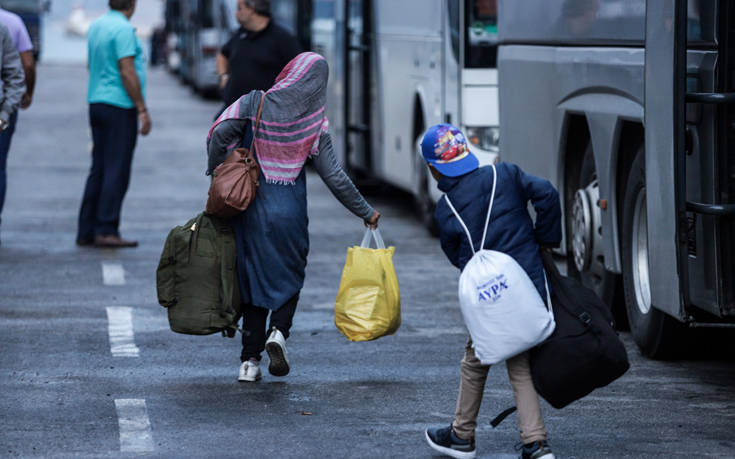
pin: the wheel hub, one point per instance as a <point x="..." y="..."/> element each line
<point x="641" y="279"/>
<point x="584" y="225"/>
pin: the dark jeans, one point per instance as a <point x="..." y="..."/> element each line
<point x="254" y="317"/>
<point x="114" y="133"/>
<point x="5" y="138"/>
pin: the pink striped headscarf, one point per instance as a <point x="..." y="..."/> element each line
<point x="293" y="118"/>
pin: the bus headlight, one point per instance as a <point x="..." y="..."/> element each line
<point x="486" y="138"/>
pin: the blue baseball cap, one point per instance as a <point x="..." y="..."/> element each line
<point x="445" y="147"/>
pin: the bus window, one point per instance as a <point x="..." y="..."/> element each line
<point x="206" y="14"/>
<point x="701" y="21"/>
<point x="481" y="34"/>
<point x="285" y="13"/>
<point x="453" y="14"/>
<point x="324" y="9"/>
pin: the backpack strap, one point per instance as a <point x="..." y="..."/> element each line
<point x="461" y="222"/>
<point x="487" y="219"/>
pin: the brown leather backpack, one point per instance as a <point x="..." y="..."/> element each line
<point x="235" y="181"/>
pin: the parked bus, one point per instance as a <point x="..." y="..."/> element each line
<point x="199" y="28"/>
<point x="397" y="68"/>
<point x="296" y="17"/>
<point x="628" y="106"/>
<point x="210" y="26"/>
<point x="30" y="12"/>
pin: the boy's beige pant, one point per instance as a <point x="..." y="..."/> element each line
<point x="472" y="384"/>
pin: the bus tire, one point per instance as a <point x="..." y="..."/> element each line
<point x="653" y="331"/>
<point x="594" y="276"/>
<point x="423" y="201"/>
<point x="426" y="208"/>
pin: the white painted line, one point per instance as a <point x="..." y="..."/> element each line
<point x="113" y="274"/>
<point x="436" y="332"/>
<point x="135" y="428"/>
<point x="120" y="328"/>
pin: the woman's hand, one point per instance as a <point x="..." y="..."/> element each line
<point x="372" y="222"/>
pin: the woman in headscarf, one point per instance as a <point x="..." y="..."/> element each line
<point x="272" y="234"/>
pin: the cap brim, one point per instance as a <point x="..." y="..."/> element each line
<point x="461" y="167"/>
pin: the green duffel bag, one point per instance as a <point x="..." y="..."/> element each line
<point x="197" y="280"/>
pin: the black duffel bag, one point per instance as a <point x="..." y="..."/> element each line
<point x="584" y="352"/>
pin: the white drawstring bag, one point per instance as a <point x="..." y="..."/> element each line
<point x="501" y="306"/>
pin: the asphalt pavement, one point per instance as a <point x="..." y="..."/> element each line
<point x="89" y="367"/>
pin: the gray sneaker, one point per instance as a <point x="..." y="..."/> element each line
<point x="445" y="441"/>
<point x="537" y="450"/>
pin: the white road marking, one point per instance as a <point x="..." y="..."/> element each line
<point x="135" y="428"/>
<point x="113" y="274"/>
<point x="120" y="328"/>
<point x="438" y="331"/>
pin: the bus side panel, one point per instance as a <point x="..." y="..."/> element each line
<point x="661" y="160"/>
<point x="408" y="64"/>
<point x="327" y="31"/>
<point x="577" y="81"/>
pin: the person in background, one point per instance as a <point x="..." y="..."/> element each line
<point x="272" y="234"/>
<point x="13" y="90"/>
<point x="256" y="53"/>
<point x="116" y="99"/>
<point x="511" y="231"/>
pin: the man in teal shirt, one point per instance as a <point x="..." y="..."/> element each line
<point x="116" y="99"/>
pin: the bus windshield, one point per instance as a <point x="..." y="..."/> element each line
<point x="482" y="33"/>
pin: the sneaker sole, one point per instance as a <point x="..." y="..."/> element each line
<point x="248" y="379"/>
<point x="278" y="365"/>
<point x="448" y="451"/>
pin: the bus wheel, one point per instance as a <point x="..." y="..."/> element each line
<point x="653" y="331"/>
<point x="585" y="259"/>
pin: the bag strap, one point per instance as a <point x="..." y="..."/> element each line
<point x="501" y="417"/>
<point x="580" y="314"/>
<point x="376" y="235"/>
<point x="487" y="219"/>
<point x="257" y="121"/>
<point x="461" y="222"/>
<point x="548" y="297"/>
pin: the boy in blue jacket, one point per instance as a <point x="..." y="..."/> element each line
<point x="510" y="231"/>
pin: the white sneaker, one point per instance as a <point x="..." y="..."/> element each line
<point x="249" y="371"/>
<point x="275" y="346"/>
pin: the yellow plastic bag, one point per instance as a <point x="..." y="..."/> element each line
<point x="368" y="303"/>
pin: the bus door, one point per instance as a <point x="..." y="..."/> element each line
<point x="689" y="157"/>
<point x="357" y="101"/>
<point x="710" y="155"/>
<point x="659" y="211"/>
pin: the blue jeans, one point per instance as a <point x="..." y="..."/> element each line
<point x="114" y="133"/>
<point x="5" y="137"/>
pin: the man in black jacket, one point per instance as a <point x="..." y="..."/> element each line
<point x="256" y="53"/>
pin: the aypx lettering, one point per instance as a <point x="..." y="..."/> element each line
<point x="492" y="291"/>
